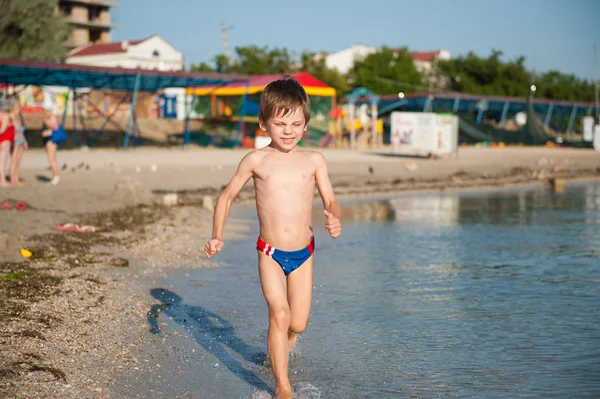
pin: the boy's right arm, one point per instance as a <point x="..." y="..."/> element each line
<point x="237" y="182"/>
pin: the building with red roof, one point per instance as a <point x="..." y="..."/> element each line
<point x="344" y="60"/>
<point x="153" y="53"/>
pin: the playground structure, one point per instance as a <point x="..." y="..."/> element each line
<point x="499" y="120"/>
<point x="237" y="103"/>
<point x="80" y="81"/>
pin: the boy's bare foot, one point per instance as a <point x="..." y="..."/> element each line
<point x="283" y="393"/>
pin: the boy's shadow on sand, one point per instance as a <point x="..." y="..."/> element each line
<point x="210" y="330"/>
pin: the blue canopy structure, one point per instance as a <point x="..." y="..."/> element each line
<point x="81" y="76"/>
<point x="17" y="72"/>
<point x="561" y="115"/>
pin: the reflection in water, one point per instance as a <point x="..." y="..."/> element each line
<point x="501" y="208"/>
<point x="435" y="208"/>
<point x="491" y="295"/>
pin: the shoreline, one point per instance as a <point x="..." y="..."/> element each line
<point x="51" y="344"/>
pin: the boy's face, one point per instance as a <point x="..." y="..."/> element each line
<point x="286" y="130"/>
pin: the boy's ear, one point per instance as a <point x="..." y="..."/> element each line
<point x="262" y="126"/>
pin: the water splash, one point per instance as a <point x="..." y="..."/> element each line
<point x="305" y="390"/>
<point x="301" y="390"/>
<point x="260" y="394"/>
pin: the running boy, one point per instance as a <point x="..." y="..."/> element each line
<point x="284" y="181"/>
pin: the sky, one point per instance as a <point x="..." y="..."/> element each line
<point x="550" y="34"/>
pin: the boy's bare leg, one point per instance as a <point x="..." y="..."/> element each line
<point x="274" y="287"/>
<point x="299" y="294"/>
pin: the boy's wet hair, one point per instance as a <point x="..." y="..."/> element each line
<point x="283" y="96"/>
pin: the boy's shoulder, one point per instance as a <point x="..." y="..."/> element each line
<point x="312" y="154"/>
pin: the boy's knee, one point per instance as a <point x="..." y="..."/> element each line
<point x="280" y="316"/>
<point x="298" y="327"/>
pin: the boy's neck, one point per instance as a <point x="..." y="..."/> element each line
<point x="279" y="150"/>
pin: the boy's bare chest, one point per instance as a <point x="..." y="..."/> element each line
<point x="285" y="177"/>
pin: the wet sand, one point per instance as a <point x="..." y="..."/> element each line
<point x="75" y="316"/>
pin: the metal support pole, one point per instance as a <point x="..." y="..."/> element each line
<point x="132" y="110"/>
<point x="455" y="105"/>
<point x="571" y="122"/>
<point x="352" y="128"/>
<point x="75" y="138"/>
<point x="189" y="109"/>
<point x="504" y="114"/>
<point x="548" y="116"/>
<point x="242" y="114"/>
<point x="374" y="124"/>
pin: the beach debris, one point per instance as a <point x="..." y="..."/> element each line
<point x="208" y="203"/>
<point x="153" y="167"/>
<point x="75" y="228"/>
<point x="6" y="206"/>
<point x="371" y="170"/>
<point x="131" y="191"/>
<point x="119" y="262"/>
<point x="26" y="253"/>
<point x="138" y="168"/>
<point x="411" y="167"/>
<point x="170" y="199"/>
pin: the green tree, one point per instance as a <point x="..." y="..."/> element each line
<point x="32" y="30"/>
<point x="201" y="67"/>
<point x="314" y="64"/>
<point x="492" y="76"/>
<point x="256" y="60"/>
<point x="558" y="86"/>
<point x="386" y="71"/>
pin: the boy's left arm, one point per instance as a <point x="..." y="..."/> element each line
<point x="333" y="210"/>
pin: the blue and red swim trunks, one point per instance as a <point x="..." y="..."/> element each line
<point x="288" y="260"/>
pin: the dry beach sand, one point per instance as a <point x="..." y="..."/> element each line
<point x="74" y="314"/>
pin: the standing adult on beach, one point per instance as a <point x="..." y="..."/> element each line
<point x="20" y="145"/>
<point x="284" y="176"/>
<point x="7" y="135"/>
<point x="51" y="125"/>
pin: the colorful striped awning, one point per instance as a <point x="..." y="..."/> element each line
<point x="257" y="83"/>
